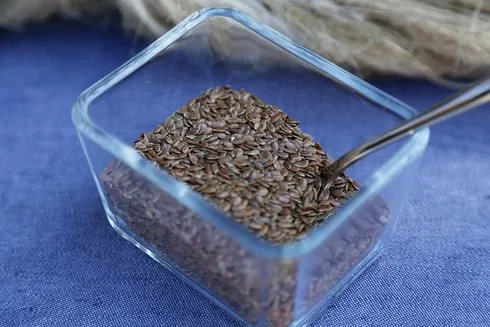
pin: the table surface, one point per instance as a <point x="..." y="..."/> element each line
<point x="61" y="264"/>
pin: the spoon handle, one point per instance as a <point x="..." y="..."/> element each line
<point x="469" y="98"/>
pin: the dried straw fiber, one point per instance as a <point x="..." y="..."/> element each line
<point x="435" y="39"/>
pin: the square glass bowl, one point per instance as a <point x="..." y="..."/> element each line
<point x="258" y="283"/>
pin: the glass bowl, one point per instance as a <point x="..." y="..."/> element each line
<point x="257" y="282"/>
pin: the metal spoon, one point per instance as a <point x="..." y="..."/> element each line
<point x="469" y="98"/>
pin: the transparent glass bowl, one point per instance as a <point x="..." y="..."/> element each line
<point x="255" y="281"/>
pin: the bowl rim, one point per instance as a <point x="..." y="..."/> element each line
<point x="409" y="152"/>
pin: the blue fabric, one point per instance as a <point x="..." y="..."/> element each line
<point x="61" y="264"/>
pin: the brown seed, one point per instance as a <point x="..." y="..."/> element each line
<point x="193" y="159"/>
<point x="249" y="159"/>
<point x="254" y="152"/>
<point x="262" y="192"/>
<point x="217" y="124"/>
<point x="277" y="165"/>
<point x="212" y="157"/>
<point x="338" y="193"/>
<point x="185" y="148"/>
<point x="301" y="164"/>
<point x="228" y="145"/>
<point x="276" y="176"/>
<point x="283" y="155"/>
<point x="258" y="164"/>
<point x="275" y="146"/>
<point x="141" y="146"/>
<point x="236" y="201"/>
<point x="255" y="226"/>
<point x="209" y="189"/>
<point x="263" y="231"/>
<point x="236" y="139"/>
<point x="303" y="183"/>
<point x="283" y="198"/>
<point x="285" y="225"/>
<point x="241" y="161"/>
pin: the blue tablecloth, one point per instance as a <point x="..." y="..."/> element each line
<point x="61" y="264"/>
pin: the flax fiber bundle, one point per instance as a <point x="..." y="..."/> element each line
<point x="435" y="39"/>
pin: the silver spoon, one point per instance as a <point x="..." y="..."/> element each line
<point x="469" y="98"/>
